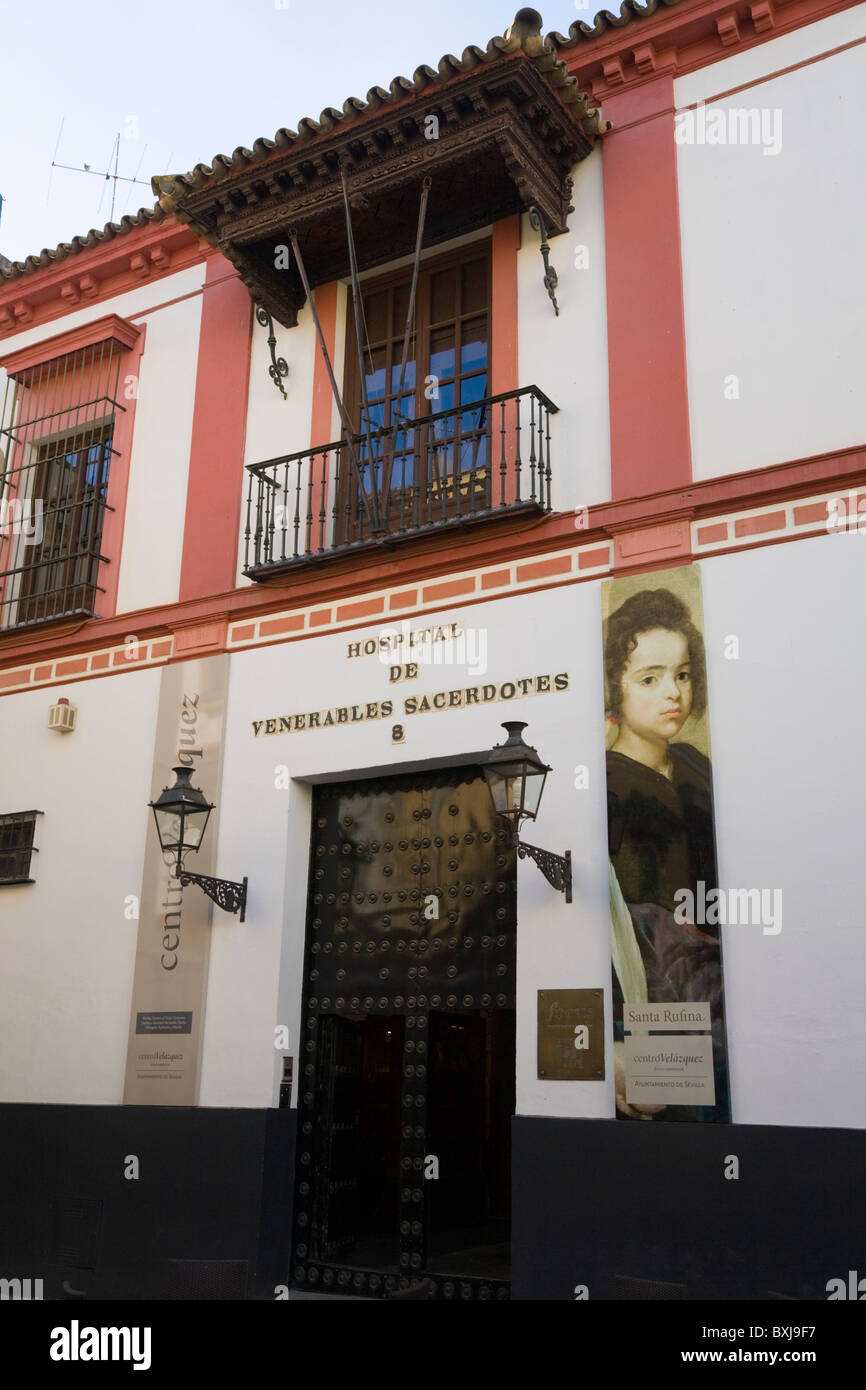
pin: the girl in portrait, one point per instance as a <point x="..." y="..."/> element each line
<point x="660" y="827"/>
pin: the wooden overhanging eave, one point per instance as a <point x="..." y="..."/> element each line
<point x="504" y="142"/>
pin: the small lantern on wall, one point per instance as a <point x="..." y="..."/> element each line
<point x="515" y="777"/>
<point x="181" y="813"/>
<point x="62" y="716"/>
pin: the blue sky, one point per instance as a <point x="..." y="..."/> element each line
<point x="183" y="80"/>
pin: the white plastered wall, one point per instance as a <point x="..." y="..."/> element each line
<point x="276" y="426"/>
<point x="566" y="355"/>
<point x="789" y="760"/>
<point x="789" y="757"/>
<point x="66" y="943"/>
<point x="159" y="468"/>
<point x="773" y="272"/>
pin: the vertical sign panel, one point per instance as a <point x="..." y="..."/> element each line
<point x="163" y="1056"/>
<point x="670" y="1049"/>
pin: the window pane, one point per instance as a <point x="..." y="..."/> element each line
<point x="474" y="351"/>
<point x="474" y="286"/>
<point x="445" y="402"/>
<point x="376" y="316"/>
<point x="409" y="378"/>
<point x="400" y="310"/>
<point x="473" y="388"/>
<point x="443" y="289"/>
<point x="375" y="374"/>
<point x="442" y="354"/>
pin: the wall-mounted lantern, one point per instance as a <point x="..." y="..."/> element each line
<point x="181" y="813"/>
<point x="515" y="777"/>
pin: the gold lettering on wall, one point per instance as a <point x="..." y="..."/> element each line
<point x="463" y="698"/>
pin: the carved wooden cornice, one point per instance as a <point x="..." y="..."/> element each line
<point x="504" y="142"/>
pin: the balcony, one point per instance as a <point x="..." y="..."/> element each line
<point x="443" y="471"/>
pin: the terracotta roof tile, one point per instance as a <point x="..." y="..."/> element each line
<point x="542" y="52"/>
<point x="604" y="20"/>
<point x="80" y="243"/>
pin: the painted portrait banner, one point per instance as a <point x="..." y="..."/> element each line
<point x="168" y="995"/>
<point x="670" y="1048"/>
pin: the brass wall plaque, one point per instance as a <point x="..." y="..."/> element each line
<point x="571" y="1034"/>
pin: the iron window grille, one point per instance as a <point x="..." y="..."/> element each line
<point x="56" y="429"/>
<point x="17" y="829"/>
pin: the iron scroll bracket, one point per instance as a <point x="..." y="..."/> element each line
<point x="555" y="867"/>
<point x="231" y="897"/>
<point x="551" y="279"/>
<point x="279" y="366"/>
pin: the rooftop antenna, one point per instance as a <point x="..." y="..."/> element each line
<point x="114" y="177"/>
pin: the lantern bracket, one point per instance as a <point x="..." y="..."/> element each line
<point x="555" y="867"/>
<point x="551" y="279"/>
<point x="279" y="367"/>
<point x="231" y="897"/>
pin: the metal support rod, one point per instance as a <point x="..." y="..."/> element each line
<point x="344" y="417"/>
<point x="362" y="375"/>
<point x="426" y="185"/>
<point x="416" y="266"/>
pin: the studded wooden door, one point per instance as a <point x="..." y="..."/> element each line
<point x="408" y="1040"/>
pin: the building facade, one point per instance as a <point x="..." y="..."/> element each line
<point x="256" y="527"/>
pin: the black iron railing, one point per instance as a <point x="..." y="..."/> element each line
<point x="470" y="463"/>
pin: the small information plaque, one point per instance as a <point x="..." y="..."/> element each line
<point x="669" y="1071"/>
<point x="163" y="1021"/>
<point x="571" y="1034"/>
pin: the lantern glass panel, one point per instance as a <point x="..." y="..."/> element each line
<point x="168" y="826"/>
<point x="195" y="822"/>
<point x="535" y="777"/>
<point x="505" y="781"/>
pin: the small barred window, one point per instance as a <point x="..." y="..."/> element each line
<point x="16" y="846"/>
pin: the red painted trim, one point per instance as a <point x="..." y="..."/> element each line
<point x="323" y="399"/>
<point x="649" y="409"/>
<point x="118" y="480"/>
<point x="504" y="246"/>
<point x="685" y="37"/>
<point x="112" y="328"/>
<point x="98" y="273"/>
<point x="501" y="543"/>
<point x="214" y="489"/>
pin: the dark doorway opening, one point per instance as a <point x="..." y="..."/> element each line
<point x="357" y="1170"/>
<point x="471" y="1101"/>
